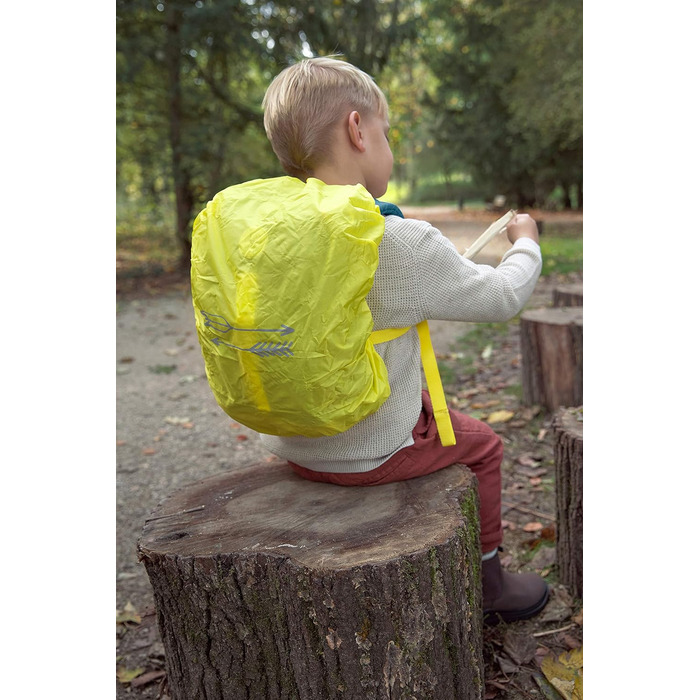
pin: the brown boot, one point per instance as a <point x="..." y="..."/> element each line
<point x="508" y="597"/>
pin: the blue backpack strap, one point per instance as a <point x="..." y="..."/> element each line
<point x="386" y="208"/>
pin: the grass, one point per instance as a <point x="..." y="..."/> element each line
<point x="561" y="255"/>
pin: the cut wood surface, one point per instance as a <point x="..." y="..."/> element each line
<point x="551" y="345"/>
<point x="568" y="458"/>
<point x="270" y="586"/>
<point x="568" y="295"/>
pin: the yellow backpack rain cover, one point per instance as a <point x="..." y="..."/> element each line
<point x="280" y="274"/>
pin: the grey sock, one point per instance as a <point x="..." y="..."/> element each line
<point x="489" y="555"/>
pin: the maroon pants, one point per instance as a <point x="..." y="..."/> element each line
<point x="477" y="446"/>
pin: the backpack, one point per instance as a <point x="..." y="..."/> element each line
<point x="280" y="273"/>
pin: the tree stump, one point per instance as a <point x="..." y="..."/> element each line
<point x="267" y="585"/>
<point x="568" y="458"/>
<point x="551" y="346"/>
<point x="568" y="295"/>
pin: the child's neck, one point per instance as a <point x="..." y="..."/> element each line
<point x="332" y="174"/>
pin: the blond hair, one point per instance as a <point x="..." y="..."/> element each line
<point x="306" y="101"/>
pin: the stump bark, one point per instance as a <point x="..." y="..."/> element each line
<point x="568" y="295"/>
<point x="270" y="586"/>
<point x="568" y="459"/>
<point x="551" y="346"/>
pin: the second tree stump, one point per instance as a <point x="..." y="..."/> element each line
<point x="269" y="586"/>
<point x="568" y="295"/>
<point x="551" y="345"/>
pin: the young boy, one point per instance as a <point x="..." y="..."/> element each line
<point x="328" y="120"/>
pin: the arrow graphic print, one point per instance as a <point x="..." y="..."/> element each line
<point x="262" y="349"/>
<point x="220" y="324"/>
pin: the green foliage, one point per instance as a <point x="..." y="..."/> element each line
<point x="508" y="105"/>
<point x="191" y="76"/>
<point x="442" y="188"/>
<point x="485" y="98"/>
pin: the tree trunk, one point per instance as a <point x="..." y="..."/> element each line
<point x="269" y="586"/>
<point x="551" y="344"/>
<point x="566" y="188"/>
<point x="568" y="458"/>
<point x="568" y="295"/>
<point x="183" y="194"/>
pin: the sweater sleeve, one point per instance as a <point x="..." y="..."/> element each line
<point x="453" y="288"/>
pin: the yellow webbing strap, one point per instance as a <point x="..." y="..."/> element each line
<point x="432" y="377"/>
<point x="387" y="334"/>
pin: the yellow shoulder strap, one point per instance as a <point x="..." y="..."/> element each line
<point x="432" y="377"/>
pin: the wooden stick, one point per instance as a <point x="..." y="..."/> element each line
<point x="546" y="632"/>
<point x="490" y="233"/>
<point x="516" y="506"/>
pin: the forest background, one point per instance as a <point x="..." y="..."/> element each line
<point x="485" y="101"/>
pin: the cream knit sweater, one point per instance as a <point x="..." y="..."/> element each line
<point x="420" y="275"/>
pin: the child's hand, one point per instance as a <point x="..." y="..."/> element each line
<point x="522" y="226"/>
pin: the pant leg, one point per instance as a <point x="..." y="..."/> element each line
<point x="477" y="446"/>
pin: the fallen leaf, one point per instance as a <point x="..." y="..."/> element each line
<point x="528" y="460"/>
<point x="487" y="352"/>
<point x="502" y="416"/>
<point x="128" y="614"/>
<point x="486" y="404"/>
<point x="148" y="451"/>
<point x="535" y="480"/>
<point x="578" y="618"/>
<point x="548" y="691"/>
<point x="520" y="646"/>
<point x="565" y="673"/>
<point x="126" y="360"/>
<point x="162" y="369"/>
<point x="147" y="678"/>
<point x="569" y="641"/>
<point x="559" y="607"/>
<point x="532" y="527"/>
<point x="174" y="420"/>
<point x="241" y="438"/>
<point x="506" y="665"/>
<point x="549" y="533"/>
<point x="126" y="675"/>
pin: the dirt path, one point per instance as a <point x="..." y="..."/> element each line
<point x="171" y="432"/>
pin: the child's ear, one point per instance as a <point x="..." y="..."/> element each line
<point x="354" y="131"/>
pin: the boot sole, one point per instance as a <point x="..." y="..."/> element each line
<point x="493" y="617"/>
